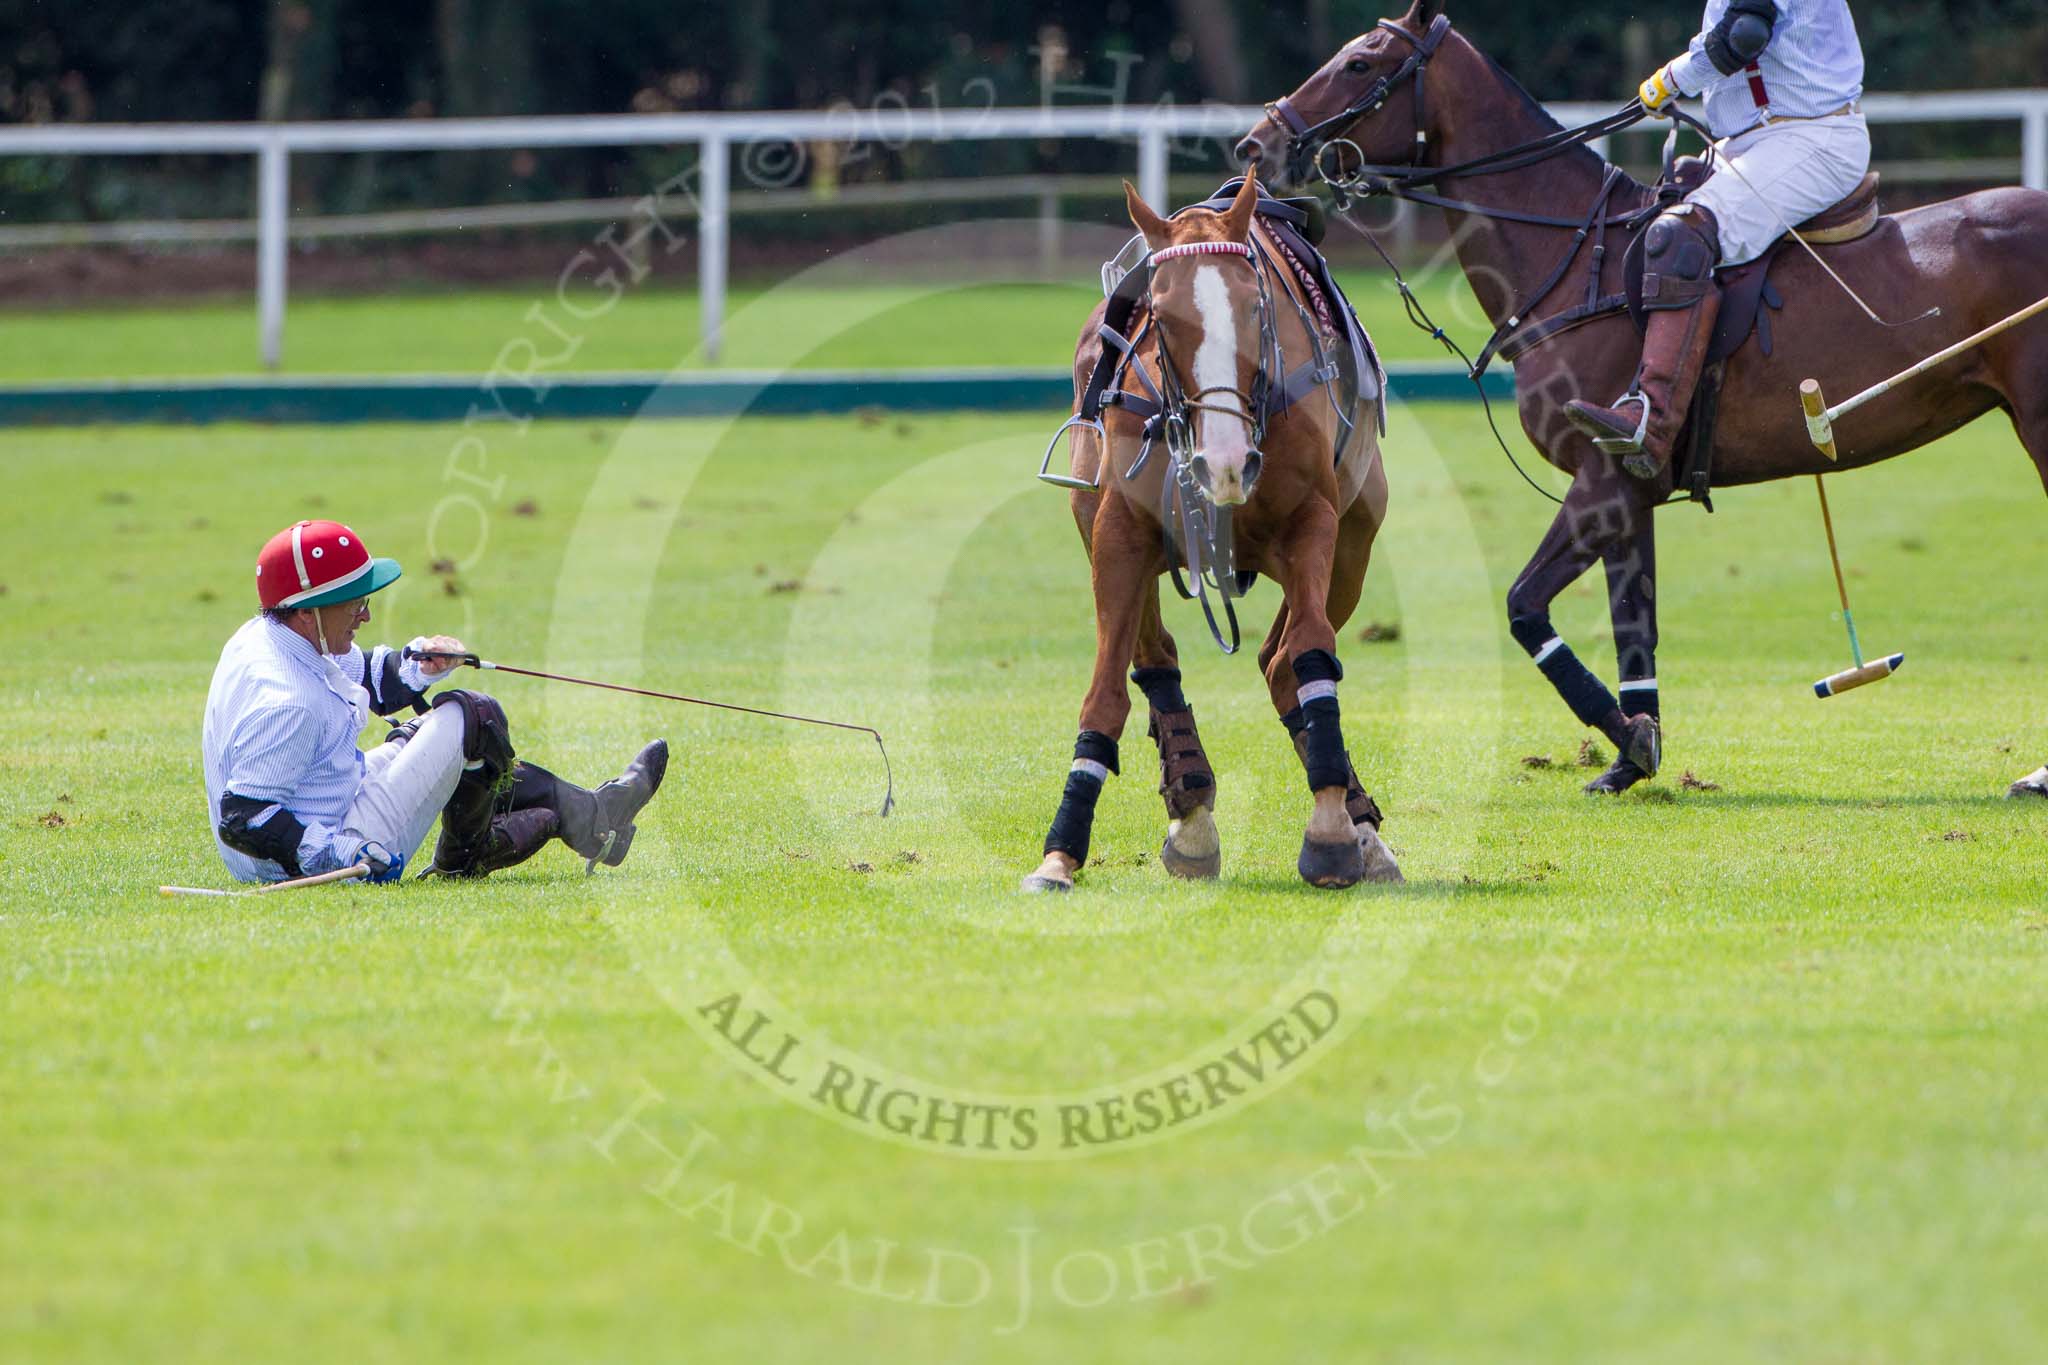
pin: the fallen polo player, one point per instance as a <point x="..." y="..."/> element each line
<point x="292" y="795"/>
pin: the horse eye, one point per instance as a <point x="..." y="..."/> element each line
<point x="1358" y="65"/>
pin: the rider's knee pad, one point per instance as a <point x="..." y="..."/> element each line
<point x="1679" y="255"/>
<point x="486" y="734"/>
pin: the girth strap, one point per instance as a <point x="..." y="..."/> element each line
<point x="1534" y="335"/>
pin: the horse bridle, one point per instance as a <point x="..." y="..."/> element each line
<point x="1178" y="402"/>
<point x="1305" y="145"/>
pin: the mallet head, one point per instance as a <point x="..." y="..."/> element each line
<point x="1877" y="670"/>
<point x="1817" y="424"/>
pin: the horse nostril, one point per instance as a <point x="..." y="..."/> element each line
<point x="1247" y="151"/>
<point x="1253" y="463"/>
<point x="1199" y="467"/>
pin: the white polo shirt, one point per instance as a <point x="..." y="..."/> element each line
<point x="281" y="726"/>
<point x="1812" y="66"/>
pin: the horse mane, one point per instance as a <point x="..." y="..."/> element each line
<point x="1545" y="121"/>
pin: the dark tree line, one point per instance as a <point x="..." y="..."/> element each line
<point x="144" y="60"/>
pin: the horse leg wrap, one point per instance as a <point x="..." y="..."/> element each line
<point x="1317" y="672"/>
<point x="1358" y="802"/>
<point x="1588" y="697"/>
<point x="1161" y="687"/>
<point x="1297" y="726"/>
<point x="1094" y="760"/>
<point x="1185" y="779"/>
<point x="1639" y="697"/>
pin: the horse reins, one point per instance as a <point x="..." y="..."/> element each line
<point x="1310" y="142"/>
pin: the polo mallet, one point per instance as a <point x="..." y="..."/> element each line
<point x="472" y="661"/>
<point x="1862" y="673"/>
<point x="1821" y="419"/>
<point x="1820" y="426"/>
<point x="340" y="874"/>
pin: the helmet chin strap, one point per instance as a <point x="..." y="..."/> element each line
<point x="320" y="630"/>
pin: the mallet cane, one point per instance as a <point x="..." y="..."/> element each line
<point x="1863" y="672"/>
<point x="1820" y="426"/>
<point x="340" y="874"/>
<point x="471" y="660"/>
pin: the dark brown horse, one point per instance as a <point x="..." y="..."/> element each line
<point x="1975" y="258"/>
<point x="1214" y="338"/>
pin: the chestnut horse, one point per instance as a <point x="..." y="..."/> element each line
<point x="1209" y="341"/>
<point x="1443" y="103"/>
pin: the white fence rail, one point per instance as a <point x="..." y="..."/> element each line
<point x="1152" y="130"/>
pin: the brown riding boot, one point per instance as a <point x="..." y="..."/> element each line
<point x="1684" y="303"/>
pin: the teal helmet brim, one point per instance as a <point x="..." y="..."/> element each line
<point x="383" y="573"/>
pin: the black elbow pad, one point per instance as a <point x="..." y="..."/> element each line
<point x="388" y="692"/>
<point x="243" y="829"/>
<point x="1742" y="35"/>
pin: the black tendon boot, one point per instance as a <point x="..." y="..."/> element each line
<point x="596" y="825"/>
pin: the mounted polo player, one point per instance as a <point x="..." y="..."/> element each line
<point x="1563" y="250"/>
<point x="1226" y="424"/>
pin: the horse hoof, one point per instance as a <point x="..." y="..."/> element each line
<point x="2033" y="784"/>
<point x="1191" y="867"/>
<point x="1038" y="882"/>
<point x="1192" y="849"/>
<point x="1645" y="747"/>
<point x="1380" y="866"/>
<point x="1616" y="780"/>
<point x="1335" y="866"/>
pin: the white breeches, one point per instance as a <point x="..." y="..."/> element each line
<point x="405" y="786"/>
<point x="1793" y="169"/>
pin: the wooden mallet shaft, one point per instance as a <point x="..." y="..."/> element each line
<point x="1849" y="679"/>
<point x="340" y="874"/>
<point x="1821" y="419"/>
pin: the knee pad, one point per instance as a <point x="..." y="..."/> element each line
<point x="486" y="734"/>
<point x="1679" y="255"/>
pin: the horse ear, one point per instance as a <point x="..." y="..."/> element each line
<point x="1237" y="219"/>
<point x="1144" y="219"/>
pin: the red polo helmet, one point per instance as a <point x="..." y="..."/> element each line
<point x="319" y="563"/>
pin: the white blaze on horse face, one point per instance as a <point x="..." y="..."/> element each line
<point x="1220" y="439"/>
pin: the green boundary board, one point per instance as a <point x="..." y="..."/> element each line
<point x="596" y="397"/>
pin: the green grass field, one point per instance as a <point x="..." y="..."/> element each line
<point x="1751" y="1068"/>
<point x="869" y="325"/>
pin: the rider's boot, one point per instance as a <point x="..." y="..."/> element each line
<point x="476" y="840"/>
<point x="1683" y="302"/>
<point x="596" y="825"/>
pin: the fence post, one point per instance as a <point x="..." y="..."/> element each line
<point x="714" y="175"/>
<point x="2034" y="148"/>
<point x="1049" y="235"/>
<point x="1152" y="165"/>
<point x="273" y="226"/>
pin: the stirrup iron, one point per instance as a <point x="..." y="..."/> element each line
<point x="1628" y="445"/>
<point x="1045" y="473"/>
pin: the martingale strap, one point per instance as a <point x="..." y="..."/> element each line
<point x="1536" y="296"/>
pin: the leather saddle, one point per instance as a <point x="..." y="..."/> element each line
<point x="1747" y="301"/>
<point x="1747" y="296"/>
